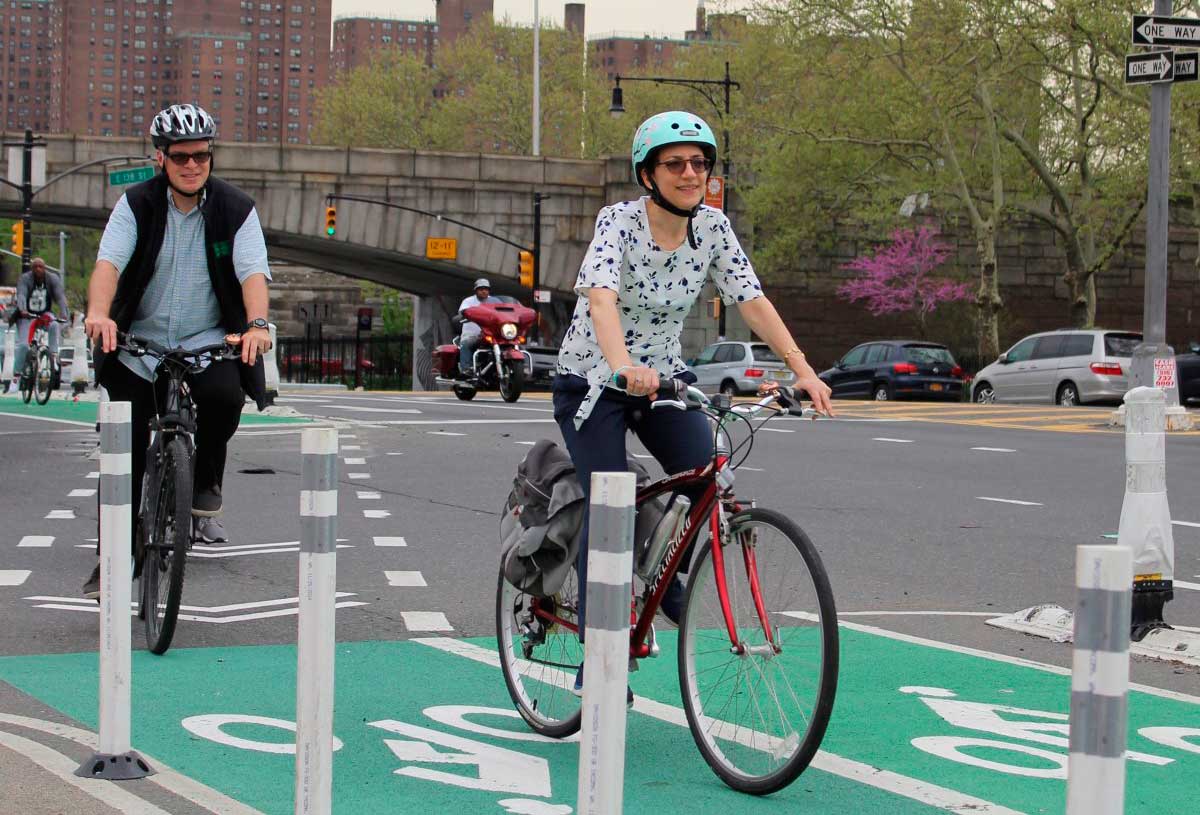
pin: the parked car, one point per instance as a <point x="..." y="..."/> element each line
<point x="1067" y="367"/>
<point x="896" y="369"/>
<point x="1187" y="369"/>
<point x="738" y="367"/>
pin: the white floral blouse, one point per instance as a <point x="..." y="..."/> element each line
<point x="655" y="290"/>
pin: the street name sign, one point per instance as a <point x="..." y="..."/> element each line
<point x="1158" y="66"/>
<point x="133" y="175"/>
<point x="1150" y="30"/>
<point x="441" y="248"/>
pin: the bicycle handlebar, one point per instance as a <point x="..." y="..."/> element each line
<point x="680" y="395"/>
<point x="142" y="346"/>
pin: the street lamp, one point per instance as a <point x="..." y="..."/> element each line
<point x="700" y="86"/>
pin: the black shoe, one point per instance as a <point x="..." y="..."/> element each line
<point x="577" y="688"/>
<point x="91" y="589"/>
<point x="207" y="503"/>
<point x="672" y="602"/>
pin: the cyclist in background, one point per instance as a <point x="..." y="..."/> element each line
<point x="38" y="291"/>
<point x="183" y="262"/>
<point x="646" y="265"/>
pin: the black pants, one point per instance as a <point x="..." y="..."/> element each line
<point x="679" y="440"/>
<point x="217" y="393"/>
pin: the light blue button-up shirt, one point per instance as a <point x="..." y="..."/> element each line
<point x="179" y="308"/>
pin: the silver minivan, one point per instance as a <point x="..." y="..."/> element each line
<point x="1067" y="367"/>
<point x="738" y="367"/>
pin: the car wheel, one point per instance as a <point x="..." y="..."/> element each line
<point x="883" y="392"/>
<point x="984" y="394"/>
<point x="729" y="388"/>
<point x="1068" y="395"/>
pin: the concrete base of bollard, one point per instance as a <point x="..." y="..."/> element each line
<point x="1178" y="419"/>
<point x="123" y="767"/>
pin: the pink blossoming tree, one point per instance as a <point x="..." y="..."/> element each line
<point x="898" y="277"/>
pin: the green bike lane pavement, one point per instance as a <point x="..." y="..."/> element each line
<point x="68" y="411"/>
<point x="427" y="726"/>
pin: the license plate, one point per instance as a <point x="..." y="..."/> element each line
<point x="935" y="386"/>
<point x="779" y="374"/>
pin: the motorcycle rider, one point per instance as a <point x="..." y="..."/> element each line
<point x="469" y="338"/>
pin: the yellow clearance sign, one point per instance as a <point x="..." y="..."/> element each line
<point x="441" y="248"/>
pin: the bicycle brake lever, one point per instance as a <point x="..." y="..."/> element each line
<point x="678" y="404"/>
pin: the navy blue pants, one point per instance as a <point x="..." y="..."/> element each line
<point x="679" y="440"/>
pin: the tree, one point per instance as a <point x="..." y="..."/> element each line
<point x="898" y="277"/>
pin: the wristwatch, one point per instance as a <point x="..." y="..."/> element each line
<point x="258" y="322"/>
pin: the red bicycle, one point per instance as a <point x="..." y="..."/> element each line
<point x="758" y="637"/>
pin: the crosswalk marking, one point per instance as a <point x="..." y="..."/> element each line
<point x="893" y="441"/>
<point x="425" y="621"/>
<point x="405" y="579"/>
<point x="61" y="515"/>
<point x="351" y="447"/>
<point x="15" y="577"/>
<point x="356" y="461"/>
<point x="358" y="476"/>
<point x="95" y="474"/>
<point x="38" y="541"/>
<point x="383" y="540"/>
<point x="81" y="493"/>
<point x="376" y="513"/>
<point x="367" y="495"/>
<point x="994" y="449"/>
<point x="444" y="433"/>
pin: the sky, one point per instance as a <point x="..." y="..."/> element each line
<point x="660" y="17"/>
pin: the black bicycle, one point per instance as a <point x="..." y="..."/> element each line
<point x="165" y="517"/>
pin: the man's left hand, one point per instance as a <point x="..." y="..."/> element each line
<point x="255" y="342"/>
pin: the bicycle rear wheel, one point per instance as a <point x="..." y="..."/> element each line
<point x="758" y="712"/>
<point x="539" y="655"/>
<point x="166" y="547"/>
<point x="44" y="384"/>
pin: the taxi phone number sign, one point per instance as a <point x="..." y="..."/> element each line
<point x="1164" y="373"/>
<point x="441" y="248"/>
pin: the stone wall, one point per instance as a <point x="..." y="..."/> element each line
<point x="300" y="295"/>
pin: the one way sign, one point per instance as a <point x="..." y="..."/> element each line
<point x="1149" y="30"/>
<point x="1162" y="66"/>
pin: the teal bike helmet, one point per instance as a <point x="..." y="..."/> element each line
<point x="662" y="130"/>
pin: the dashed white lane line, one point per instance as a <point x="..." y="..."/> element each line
<point x="358" y="476"/>
<point x="359" y="461"/>
<point x="1186" y="523"/>
<point x="994" y="449"/>
<point x="38" y="541"/>
<point x="383" y="540"/>
<point x="367" y="495"/>
<point x="395" y="454"/>
<point x="360" y="409"/>
<point x="351" y="447"/>
<point x="444" y="433"/>
<point x="1010" y="501"/>
<point x="347" y="436"/>
<point x="405" y="579"/>
<point x="893" y="441"/>
<point x="1183" y="584"/>
<point x="95" y="474"/>
<point x="61" y="515"/>
<point x="425" y="621"/>
<point x="526" y="443"/>
<point x="776" y="430"/>
<point x="376" y="513"/>
<point x="752" y="469"/>
<point x="13" y="577"/>
<point x="83" y="493"/>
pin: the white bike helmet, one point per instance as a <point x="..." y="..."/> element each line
<point x="182" y="123"/>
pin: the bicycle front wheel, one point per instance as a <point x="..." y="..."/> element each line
<point x="166" y="547"/>
<point x="28" y="376"/>
<point x="44" y="384"/>
<point x="758" y="705"/>
<point x="539" y="654"/>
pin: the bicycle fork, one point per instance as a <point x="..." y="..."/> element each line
<point x="719" y="524"/>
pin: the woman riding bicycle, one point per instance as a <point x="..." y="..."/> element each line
<point x="646" y="265"/>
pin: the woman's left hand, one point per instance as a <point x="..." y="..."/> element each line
<point x="817" y="391"/>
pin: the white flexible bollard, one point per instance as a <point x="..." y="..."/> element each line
<point x="114" y="760"/>
<point x="315" y="638"/>
<point x="79" y="362"/>
<point x="1145" y="515"/>
<point x="1100" y="682"/>
<point x="10" y="353"/>
<point x="271" y="367"/>
<point x="606" y="644"/>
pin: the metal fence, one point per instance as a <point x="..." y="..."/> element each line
<point x="374" y="362"/>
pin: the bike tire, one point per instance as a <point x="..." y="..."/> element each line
<point x="538" y="662"/>
<point x="166" y="549"/>
<point x="44" y="377"/>
<point x="803" y="654"/>
<point x="27" y="378"/>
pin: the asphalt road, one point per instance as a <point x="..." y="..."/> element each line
<point x="927" y="529"/>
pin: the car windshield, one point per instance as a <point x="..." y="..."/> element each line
<point x="928" y="354"/>
<point x="1121" y="345"/>
<point x="763" y="353"/>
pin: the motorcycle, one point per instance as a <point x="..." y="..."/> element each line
<point x="499" y="362"/>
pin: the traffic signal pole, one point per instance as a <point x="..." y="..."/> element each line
<point x="27" y="201"/>
<point x="537" y="263"/>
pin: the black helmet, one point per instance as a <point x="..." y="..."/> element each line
<point x="182" y="123"/>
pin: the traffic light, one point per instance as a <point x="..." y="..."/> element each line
<point x="330" y="221"/>
<point x="18" y="238"/>
<point x="526" y="267"/>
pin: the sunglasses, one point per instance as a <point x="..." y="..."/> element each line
<point x="202" y="157"/>
<point x="675" y="165"/>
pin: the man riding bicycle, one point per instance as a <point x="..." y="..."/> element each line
<point x="644" y="269"/>
<point x="183" y="262"/>
<point x="38" y="291"/>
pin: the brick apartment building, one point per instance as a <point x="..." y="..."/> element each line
<point x="633" y="54"/>
<point x="25" y="64"/>
<point x="356" y="38"/>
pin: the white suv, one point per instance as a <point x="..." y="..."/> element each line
<point x="738" y="367"/>
<point x="1067" y="367"/>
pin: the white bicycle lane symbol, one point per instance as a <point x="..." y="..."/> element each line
<point x="1031" y="726"/>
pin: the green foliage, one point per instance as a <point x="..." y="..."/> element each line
<point x="82" y="244"/>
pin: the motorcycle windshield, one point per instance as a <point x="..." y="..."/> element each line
<point x="490" y="316"/>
